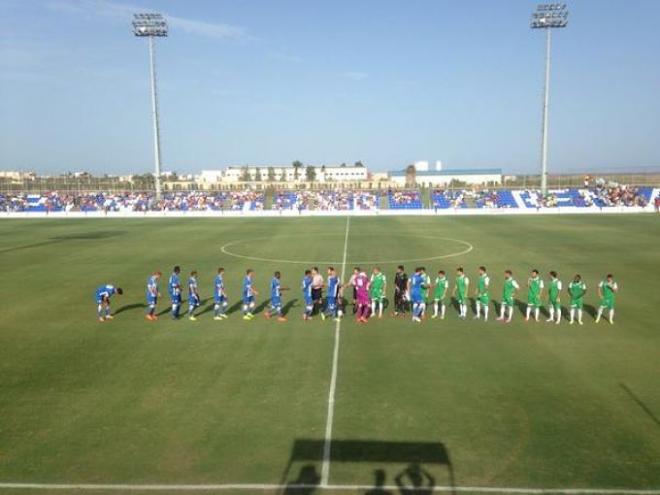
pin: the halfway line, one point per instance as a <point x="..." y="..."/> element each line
<point x="325" y="470"/>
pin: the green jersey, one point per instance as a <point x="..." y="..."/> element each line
<point x="553" y="292"/>
<point x="508" y="291"/>
<point x="576" y="290"/>
<point x="462" y="283"/>
<point x="534" y="287"/>
<point x="608" y="291"/>
<point x="441" y="286"/>
<point x="426" y="286"/>
<point x="483" y="283"/>
<point x="377" y="286"/>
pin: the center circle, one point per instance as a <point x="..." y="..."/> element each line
<point x="229" y="249"/>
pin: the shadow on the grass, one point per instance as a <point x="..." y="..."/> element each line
<point x="413" y="478"/>
<point x="130" y="307"/>
<point x="81" y="236"/>
<point x="641" y="404"/>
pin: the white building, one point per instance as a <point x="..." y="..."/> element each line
<point x="434" y="178"/>
<point x="323" y="173"/>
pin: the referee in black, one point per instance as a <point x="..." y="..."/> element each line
<point x="400" y="288"/>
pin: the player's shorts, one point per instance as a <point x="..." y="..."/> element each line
<point x="219" y="299"/>
<point x="577" y="303"/>
<point x="507" y="301"/>
<point x="555" y="303"/>
<point x="152" y="300"/>
<point x="484" y="299"/>
<point x="533" y="301"/>
<point x="175" y="298"/>
<point x="460" y="298"/>
<point x="607" y="303"/>
<point x="377" y="297"/>
<point x="193" y="300"/>
<point x="275" y="302"/>
<point x="416" y="297"/>
<point x="248" y="299"/>
<point x="309" y="301"/>
<point x="316" y="294"/>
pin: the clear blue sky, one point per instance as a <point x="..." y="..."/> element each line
<point x="385" y="82"/>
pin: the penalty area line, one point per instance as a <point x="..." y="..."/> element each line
<point x="335" y="488"/>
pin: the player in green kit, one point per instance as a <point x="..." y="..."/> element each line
<point x="606" y="291"/>
<point x="461" y="291"/>
<point x="377" y="287"/>
<point x="534" y="291"/>
<point x="425" y="290"/>
<point x="576" y="290"/>
<point x="508" y="294"/>
<point x="481" y="293"/>
<point x="554" y="291"/>
<point x="439" y="294"/>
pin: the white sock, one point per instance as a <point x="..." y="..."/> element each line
<point x="380" y="308"/>
<point x="373" y="307"/>
<point x="611" y="315"/>
<point x="510" y="311"/>
<point x="536" y="313"/>
<point x="478" y="309"/>
<point x="442" y="310"/>
<point x="502" y="309"/>
<point x="600" y="313"/>
<point x="579" y="315"/>
<point x="529" y="311"/>
<point x="558" y="314"/>
<point x="551" y="311"/>
<point x="572" y="314"/>
<point x="435" y="309"/>
<point x="485" y="312"/>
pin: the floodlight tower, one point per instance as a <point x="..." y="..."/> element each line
<point x="547" y="16"/>
<point x="152" y="26"/>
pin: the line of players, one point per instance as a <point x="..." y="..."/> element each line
<point x="410" y="293"/>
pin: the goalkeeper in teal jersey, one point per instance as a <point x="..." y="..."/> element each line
<point x="461" y="292"/>
<point x="482" y="294"/>
<point x="439" y="294"/>
<point x="377" y="286"/>
<point x="607" y="290"/>
<point x="554" y="303"/>
<point x="576" y="290"/>
<point x="534" y="291"/>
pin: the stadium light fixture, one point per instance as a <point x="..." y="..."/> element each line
<point x="547" y="16"/>
<point x="150" y="26"/>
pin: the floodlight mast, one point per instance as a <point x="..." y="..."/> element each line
<point x="151" y="26"/>
<point x="548" y="17"/>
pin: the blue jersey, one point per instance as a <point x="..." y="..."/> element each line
<point x="416" y="286"/>
<point x="333" y="287"/>
<point x="174" y="285"/>
<point x="192" y="286"/>
<point x="307" y="287"/>
<point x="247" y="287"/>
<point x="275" y="286"/>
<point x="218" y="286"/>
<point x="105" y="291"/>
<point x="152" y="287"/>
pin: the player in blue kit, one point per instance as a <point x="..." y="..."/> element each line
<point x="194" y="300"/>
<point x="152" y="296"/>
<point x="103" y="295"/>
<point x="307" y="294"/>
<point x="249" y="294"/>
<point x="332" y="306"/>
<point x="174" y="288"/>
<point x="416" y="285"/>
<point x="276" y="298"/>
<point x="219" y="296"/>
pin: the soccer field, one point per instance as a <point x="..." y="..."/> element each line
<point x="459" y="403"/>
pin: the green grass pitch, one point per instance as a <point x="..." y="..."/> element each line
<point x="208" y="402"/>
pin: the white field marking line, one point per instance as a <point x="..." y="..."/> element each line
<point x="337" y="488"/>
<point x="224" y="250"/>
<point x="327" y="445"/>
